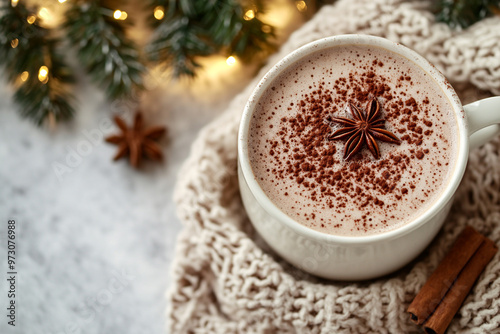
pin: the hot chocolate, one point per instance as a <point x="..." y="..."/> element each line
<point x="353" y="140"/>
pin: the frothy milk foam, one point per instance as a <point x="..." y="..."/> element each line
<point x="305" y="174"/>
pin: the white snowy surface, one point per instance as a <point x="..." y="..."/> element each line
<point x="95" y="239"/>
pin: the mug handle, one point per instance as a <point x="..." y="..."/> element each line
<point x="484" y="120"/>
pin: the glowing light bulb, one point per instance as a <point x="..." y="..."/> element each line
<point x="14" y="43"/>
<point x="301" y="5"/>
<point x="24" y="76"/>
<point x="31" y="19"/>
<point x="249" y="14"/>
<point x="62" y="1"/>
<point x="230" y="61"/>
<point x="43" y="74"/>
<point x="120" y="15"/>
<point x="14" y="3"/>
<point x="44" y="13"/>
<point x="159" y="12"/>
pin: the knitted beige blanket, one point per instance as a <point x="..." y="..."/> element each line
<point x="226" y="280"/>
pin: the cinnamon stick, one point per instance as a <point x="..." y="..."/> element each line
<point x="445" y="274"/>
<point x="444" y="313"/>
<point x="445" y="290"/>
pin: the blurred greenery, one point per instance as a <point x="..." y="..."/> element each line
<point x="464" y="13"/>
<point x="25" y="48"/>
<point x="111" y="59"/>
<point x="193" y="28"/>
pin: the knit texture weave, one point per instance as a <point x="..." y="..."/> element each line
<point x="226" y="280"/>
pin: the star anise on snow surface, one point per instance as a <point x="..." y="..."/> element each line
<point x="136" y="141"/>
<point x="364" y="128"/>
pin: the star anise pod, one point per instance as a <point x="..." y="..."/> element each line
<point x="137" y="141"/>
<point x="364" y="128"/>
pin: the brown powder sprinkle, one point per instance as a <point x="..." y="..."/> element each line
<point x="305" y="161"/>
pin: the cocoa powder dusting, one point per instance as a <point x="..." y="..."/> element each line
<point x="300" y="152"/>
<point x="313" y="156"/>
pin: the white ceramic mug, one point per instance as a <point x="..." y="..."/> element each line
<point x="360" y="257"/>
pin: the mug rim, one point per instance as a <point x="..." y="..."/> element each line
<point x="353" y="39"/>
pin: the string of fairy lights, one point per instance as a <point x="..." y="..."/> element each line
<point x="44" y="14"/>
<point x="118" y="14"/>
<point x="52" y="16"/>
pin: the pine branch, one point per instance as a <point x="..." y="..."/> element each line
<point x="177" y="43"/>
<point x="179" y="38"/>
<point x="239" y="36"/>
<point x="104" y="50"/>
<point x="464" y="13"/>
<point x="192" y="28"/>
<point x="24" y="50"/>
